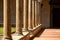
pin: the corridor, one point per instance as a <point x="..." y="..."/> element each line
<point x="48" y="34"/>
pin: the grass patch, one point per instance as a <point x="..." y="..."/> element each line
<point x="1" y="30"/>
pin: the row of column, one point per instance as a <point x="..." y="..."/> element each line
<point x="29" y="9"/>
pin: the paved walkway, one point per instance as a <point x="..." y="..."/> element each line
<point x="48" y="34"/>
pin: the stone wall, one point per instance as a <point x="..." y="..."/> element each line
<point x="45" y="15"/>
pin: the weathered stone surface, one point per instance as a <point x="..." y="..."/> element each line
<point x="30" y="14"/>
<point x="25" y="15"/>
<point x="7" y="19"/>
<point x="19" y="17"/>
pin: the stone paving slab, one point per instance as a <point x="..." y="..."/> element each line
<point x="49" y="34"/>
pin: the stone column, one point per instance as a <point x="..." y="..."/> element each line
<point x="7" y="19"/>
<point x="39" y="11"/>
<point x="30" y="14"/>
<point x="19" y="16"/>
<point x="25" y="15"/>
<point x="36" y="12"/>
<point x="33" y="13"/>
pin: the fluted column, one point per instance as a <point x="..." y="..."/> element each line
<point x="30" y="14"/>
<point x="19" y="16"/>
<point x="7" y="19"/>
<point x="36" y="12"/>
<point x="33" y="13"/>
<point x="25" y="15"/>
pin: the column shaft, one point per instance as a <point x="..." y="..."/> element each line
<point x="39" y="11"/>
<point x="30" y="14"/>
<point x="33" y="13"/>
<point x="25" y="14"/>
<point x="19" y="16"/>
<point x="36" y="13"/>
<point x="7" y="19"/>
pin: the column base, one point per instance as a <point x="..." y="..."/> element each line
<point x="18" y="34"/>
<point x="30" y="29"/>
<point x="25" y="36"/>
<point x="36" y="25"/>
<point x="24" y="29"/>
<point x="33" y="26"/>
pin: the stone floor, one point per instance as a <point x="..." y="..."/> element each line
<point x="48" y="34"/>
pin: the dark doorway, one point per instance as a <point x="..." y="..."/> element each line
<point x="56" y="17"/>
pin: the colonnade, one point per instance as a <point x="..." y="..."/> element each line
<point x="30" y="13"/>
